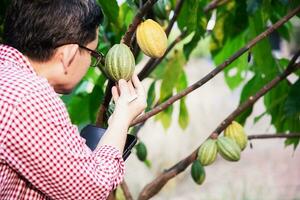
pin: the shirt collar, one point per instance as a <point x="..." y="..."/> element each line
<point x="11" y="54"/>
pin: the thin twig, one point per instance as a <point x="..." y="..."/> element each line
<point x="137" y="19"/>
<point x="156" y="185"/>
<point x="174" y="18"/>
<point x="214" y="4"/>
<point x="126" y="191"/>
<point x="277" y="135"/>
<point x="217" y="70"/>
<point x="104" y="106"/>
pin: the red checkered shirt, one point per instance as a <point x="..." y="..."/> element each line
<point x="42" y="155"/>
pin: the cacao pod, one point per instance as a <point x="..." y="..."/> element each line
<point x="162" y="9"/>
<point x="207" y="152"/>
<point x="141" y="151"/>
<point x="119" y="63"/>
<point x="198" y="172"/>
<point x="236" y="132"/>
<point x="228" y="149"/>
<point x="151" y="38"/>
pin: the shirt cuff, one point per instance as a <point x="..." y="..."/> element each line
<point x="113" y="156"/>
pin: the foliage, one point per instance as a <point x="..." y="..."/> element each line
<point x="237" y="22"/>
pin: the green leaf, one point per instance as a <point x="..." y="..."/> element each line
<point x="262" y="53"/>
<point x="200" y="30"/>
<point x="292" y="141"/>
<point x="110" y="9"/>
<point x="95" y="100"/>
<point x="182" y="82"/>
<point x="234" y="72"/>
<point x="172" y="73"/>
<point x="151" y="96"/>
<point x="78" y="109"/>
<point x="126" y="15"/>
<point x="292" y="104"/>
<point x="187" y="18"/>
<point x="278" y="118"/>
<point x="165" y="117"/>
<point x="249" y="89"/>
<point x="158" y="72"/>
<point x="183" y="119"/>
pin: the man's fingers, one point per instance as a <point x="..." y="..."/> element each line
<point x="115" y="93"/>
<point x="138" y="85"/>
<point x="124" y="89"/>
<point x="131" y="88"/>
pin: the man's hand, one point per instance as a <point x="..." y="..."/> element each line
<point x="130" y="101"/>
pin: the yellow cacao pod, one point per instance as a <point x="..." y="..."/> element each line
<point x="236" y="132"/>
<point x="151" y="38"/>
<point x="207" y="152"/>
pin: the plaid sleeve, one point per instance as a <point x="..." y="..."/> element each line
<point x="47" y="150"/>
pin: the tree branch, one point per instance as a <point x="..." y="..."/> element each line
<point x="156" y="185"/>
<point x="252" y="99"/>
<point x="214" y="4"/>
<point x="217" y="70"/>
<point x="277" y="135"/>
<point x="174" y="18"/>
<point x="138" y="18"/>
<point x="126" y="191"/>
<point x="104" y="106"/>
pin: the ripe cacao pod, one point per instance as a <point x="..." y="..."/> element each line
<point x="207" y="152"/>
<point x="228" y="149"/>
<point x="141" y="151"/>
<point x="119" y="63"/>
<point x="151" y="38"/>
<point x="236" y="132"/>
<point x="198" y="172"/>
<point x="162" y="9"/>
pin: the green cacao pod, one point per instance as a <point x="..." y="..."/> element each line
<point x="228" y="149"/>
<point x="151" y="38"/>
<point x="198" y="172"/>
<point x="141" y="151"/>
<point x="119" y="63"/>
<point x="162" y="9"/>
<point x="207" y="152"/>
<point x="236" y="132"/>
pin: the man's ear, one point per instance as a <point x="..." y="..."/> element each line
<point x="67" y="54"/>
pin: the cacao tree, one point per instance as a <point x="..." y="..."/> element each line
<point x="241" y="40"/>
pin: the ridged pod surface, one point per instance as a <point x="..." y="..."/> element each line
<point x="119" y="63"/>
<point x="207" y="152"/>
<point x="151" y="38"/>
<point x="198" y="172"/>
<point x="162" y="9"/>
<point x="228" y="149"/>
<point x="236" y="132"/>
<point x="141" y="151"/>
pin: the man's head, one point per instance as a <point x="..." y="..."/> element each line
<point x="49" y="31"/>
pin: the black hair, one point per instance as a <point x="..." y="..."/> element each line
<point x="37" y="27"/>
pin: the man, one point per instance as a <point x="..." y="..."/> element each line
<point x="48" y="49"/>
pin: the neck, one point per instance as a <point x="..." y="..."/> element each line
<point x="44" y="69"/>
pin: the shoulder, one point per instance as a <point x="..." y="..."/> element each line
<point x="16" y="83"/>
